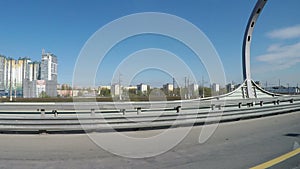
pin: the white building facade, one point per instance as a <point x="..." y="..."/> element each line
<point x="142" y="88"/>
<point x="116" y="90"/>
<point x="168" y="88"/>
<point x="215" y="87"/>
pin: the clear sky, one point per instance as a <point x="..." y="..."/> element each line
<point x="63" y="27"/>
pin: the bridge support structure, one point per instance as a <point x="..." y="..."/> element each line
<point x="250" y="91"/>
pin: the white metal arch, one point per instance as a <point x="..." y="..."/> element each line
<point x="247" y="44"/>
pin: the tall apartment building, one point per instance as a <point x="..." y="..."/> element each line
<point x="168" y="88"/>
<point x="229" y="87"/>
<point x="8" y="72"/>
<point x="116" y="90"/>
<point x="34" y="71"/>
<point x="48" y="66"/>
<point x="215" y="87"/>
<point x="193" y="90"/>
<point x="42" y="77"/>
<point x="33" y="86"/>
<point x="2" y="72"/>
<point x="143" y="88"/>
<point x="21" y="72"/>
<point x="12" y="73"/>
<point x="27" y="78"/>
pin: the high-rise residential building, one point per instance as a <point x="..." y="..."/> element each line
<point x="42" y="77"/>
<point x="168" y="88"/>
<point x="2" y="72"/>
<point x="29" y="78"/>
<point x="229" y="87"/>
<point x="215" y="87"/>
<point x="21" y="72"/>
<point x="116" y="90"/>
<point x="193" y="90"/>
<point x="48" y="66"/>
<point x="12" y="74"/>
<point x="193" y="87"/>
<point x="143" y="88"/>
<point x="9" y="62"/>
<point x="34" y="71"/>
<point x="13" y="71"/>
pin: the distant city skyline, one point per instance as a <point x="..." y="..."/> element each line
<point x="23" y="77"/>
<point x="63" y="27"/>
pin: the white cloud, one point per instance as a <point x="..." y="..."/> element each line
<point x="281" y="56"/>
<point x="285" y="33"/>
<point x="274" y="47"/>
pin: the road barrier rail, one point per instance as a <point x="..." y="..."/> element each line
<point x="124" y="116"/>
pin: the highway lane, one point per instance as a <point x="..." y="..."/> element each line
<point x="241" y="144"/>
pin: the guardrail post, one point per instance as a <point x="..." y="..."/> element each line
<point x="261" y="103"/>
<point x="138" y="110"/>
<point x="43" y="113"/>
<point x="93" y="112"/>
<point x="213" y="107"/>
<point x="55" y="113"/>
<point x="252" y="104"/>
<point x="123" y="111"/>
<point x="240" y="105"/>
<point x="178" y="109"/>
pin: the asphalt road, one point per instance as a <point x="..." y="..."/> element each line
<point x="234" y="145"/>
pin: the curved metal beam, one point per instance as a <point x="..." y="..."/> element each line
<point x="247" y="44"/>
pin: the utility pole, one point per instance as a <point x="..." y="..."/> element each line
<point x="279" y="83"/>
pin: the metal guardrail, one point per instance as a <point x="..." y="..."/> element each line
<point x="64" y="117"/>
<point x="34" y="108"/>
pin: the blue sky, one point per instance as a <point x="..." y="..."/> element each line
<point x="63" y="27"/>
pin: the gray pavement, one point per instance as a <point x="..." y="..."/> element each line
<point x="241" y="144"/>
